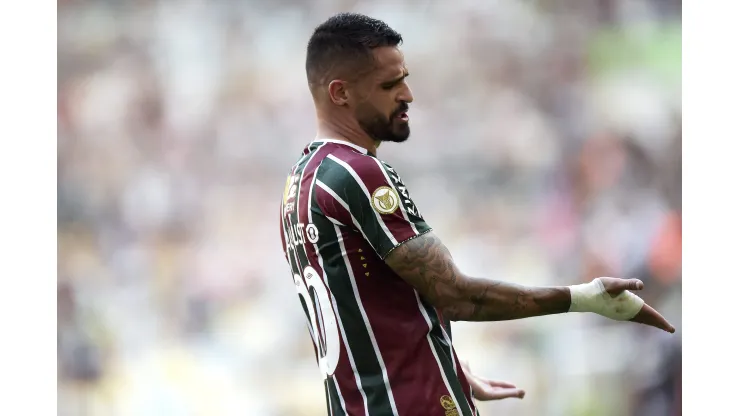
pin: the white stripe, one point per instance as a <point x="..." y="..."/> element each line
<point x="403" y="211"/>
<point x="334" y="304"/>
<point x="336" y="197"/>
<point x="367" y="322"/>
<point x="328" y="396"/>
<point x="342" y="142"/>
<point x="334" y="220"/>
<point x="339" y="392"/>
<point x="452" y="350"/>
<point x="369" y="197"/>
<point x="434" y="351"/>
<point x="346" y="343"/>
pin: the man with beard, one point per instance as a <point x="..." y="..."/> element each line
<point x="378" y="288"/>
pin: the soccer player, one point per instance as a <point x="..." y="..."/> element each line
<point x="378" y="287"/>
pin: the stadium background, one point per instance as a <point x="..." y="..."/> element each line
<point x="546" y="149"/>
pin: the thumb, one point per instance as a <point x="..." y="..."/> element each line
<point x="617" y="286"/>
<point x="507" y="394"/>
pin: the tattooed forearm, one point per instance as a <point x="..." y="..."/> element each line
<point x="426" y="264"/>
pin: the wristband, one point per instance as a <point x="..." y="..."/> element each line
<point x="593" y="297"/>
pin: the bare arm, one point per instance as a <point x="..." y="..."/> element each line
<point x="426" y="264"/>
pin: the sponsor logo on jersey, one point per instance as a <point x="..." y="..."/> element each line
<point x="297" y="234"/>
<point x="385" y="200"/>
<point x="312" y="233"/>
<point x="449" y="405"/>
<point x="406" y="202"/>
<point x="291" y="186"/>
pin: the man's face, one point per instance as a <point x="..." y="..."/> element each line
<point x="384" y="97"/>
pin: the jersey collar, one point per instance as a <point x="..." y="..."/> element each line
<point x="341" y="142"/>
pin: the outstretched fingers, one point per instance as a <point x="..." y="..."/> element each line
<point x="649" y="316"/>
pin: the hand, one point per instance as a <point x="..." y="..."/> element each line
<point x="485" y="390"/>
<point x="612" y="298"/>
<point x="647" y="315"/>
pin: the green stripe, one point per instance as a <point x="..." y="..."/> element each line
<point x="333" y="398"/>
<point x="341" y="181"/>
<point x="327" y="397"/>
<point x="443" y="349"/>
<point x="357" y="337"/>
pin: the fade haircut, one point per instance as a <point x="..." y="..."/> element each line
<point x="342" y="47"/>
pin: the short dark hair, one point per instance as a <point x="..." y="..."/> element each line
<point x="343" y="45"/>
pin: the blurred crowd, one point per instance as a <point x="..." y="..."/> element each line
<point x="545" y="149"/>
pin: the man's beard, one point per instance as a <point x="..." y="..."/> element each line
<point x="384" y="129"/>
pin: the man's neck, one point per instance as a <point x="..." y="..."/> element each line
<point x="347" y="132"/>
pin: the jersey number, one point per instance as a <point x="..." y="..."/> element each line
<point x="323" y="325"/>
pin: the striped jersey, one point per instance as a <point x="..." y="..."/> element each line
<point x="382" y="350"/>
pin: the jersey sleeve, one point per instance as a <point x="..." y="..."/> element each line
<point x="368" y="195"/>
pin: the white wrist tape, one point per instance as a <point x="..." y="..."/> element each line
<point x="593" y="297"/>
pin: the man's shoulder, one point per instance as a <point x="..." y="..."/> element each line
<point x="346" y="164"/>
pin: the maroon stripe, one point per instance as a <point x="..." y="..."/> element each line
<point x="345" y="377"/>
<point x="327" y="203"/>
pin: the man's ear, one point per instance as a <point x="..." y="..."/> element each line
<point x="338" y="92"/>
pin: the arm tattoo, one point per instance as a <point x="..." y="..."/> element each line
<point x="426" y="264"/>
